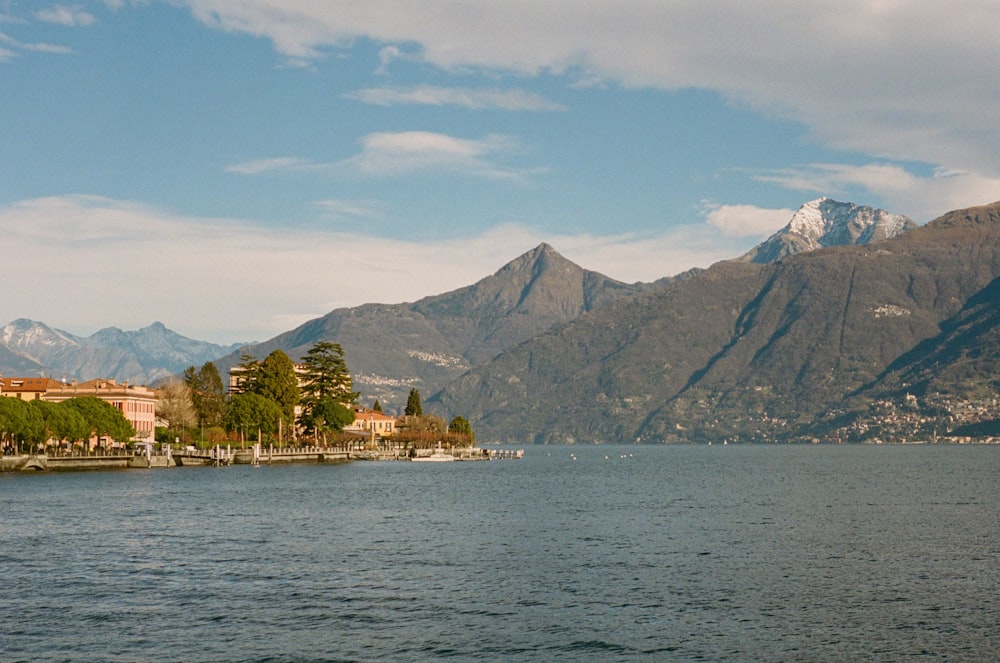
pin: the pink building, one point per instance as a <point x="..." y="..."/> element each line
<point x="136" y="403"/>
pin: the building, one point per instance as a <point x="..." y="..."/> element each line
<point x="27" y="389"/>
<point x="371" y="423"/>
<point x="136" y="403"/>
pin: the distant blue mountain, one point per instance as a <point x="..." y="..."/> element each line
<point x="29" y="348"/>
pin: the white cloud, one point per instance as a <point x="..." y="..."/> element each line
<point x="395" y="154"/>
<point x="407" y="152"/>
<point x="258" y="166"/>
<point x="38" y="47"/>
<point x="349" y="209"/>
<point x="86" y="262"/>
<point x="746" y="220"/>
<point x="68" y="16"/>
<point x="473" y="98"/>
<point x="41" y="47"/>
<point x="902" y="80"/>
<point x="921" y="198"/>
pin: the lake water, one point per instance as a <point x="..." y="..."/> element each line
<point x="720" y="553"/>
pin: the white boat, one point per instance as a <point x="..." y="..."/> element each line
<point x="438" y="456"/>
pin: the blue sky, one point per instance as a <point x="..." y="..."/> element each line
<point x="236" y="168"/>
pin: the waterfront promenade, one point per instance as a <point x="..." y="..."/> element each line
<point x="228" y="455"/>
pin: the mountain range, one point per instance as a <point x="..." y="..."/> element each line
<point x="426" y="344"/>
<point x="845" y="306"/>
<point x="430" y="344"/>
<point x="32" y="348"/>
<point x="754" y="351"/>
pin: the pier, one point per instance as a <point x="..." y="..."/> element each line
<point x="505" y="454"/>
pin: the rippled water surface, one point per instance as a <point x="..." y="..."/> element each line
<point x="598" y="553"/>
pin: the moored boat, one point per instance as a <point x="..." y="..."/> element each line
<point x="438" y="456"/>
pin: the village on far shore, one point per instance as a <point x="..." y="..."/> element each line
<point x="316" y="420"/>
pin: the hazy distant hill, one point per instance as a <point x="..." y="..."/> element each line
<point x="742" y="348"/>
<point x="426" y="344"/>
<point x="31" y="348"/>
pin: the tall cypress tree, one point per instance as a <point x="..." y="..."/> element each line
<point x="413" y="406"/>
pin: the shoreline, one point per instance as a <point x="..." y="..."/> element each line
<point x="227" y="456"/>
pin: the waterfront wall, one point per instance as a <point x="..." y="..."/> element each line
<point x="224" y="456"/>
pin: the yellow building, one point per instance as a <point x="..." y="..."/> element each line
<point x="369" y="422"/>
<point x="27" y="389"/>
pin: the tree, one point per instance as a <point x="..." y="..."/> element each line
<point x="249" y="413"/>
<point x="248" y="374"/>
<point x="326" y="382"/>
<point x="278" y="382"/>
<point x="13" y="421"/>
<point x="326" y="373"/>
<point x="377" y="407"/>
<point x="461" y="426"/>
<point x="208" y="394"/>
<point x="175" y="403"/>
<point x="102" y="418"/>
<point x="61" y="422"/>
<point x="413" y="406"/>
<point x="326" y="415"/>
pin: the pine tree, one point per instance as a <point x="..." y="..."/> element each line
<point x="326" y="373"/>
<point x="327" y="389"/>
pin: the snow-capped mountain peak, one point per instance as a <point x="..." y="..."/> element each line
<point x="28" y="337"/>
<point x="826" y="222"/>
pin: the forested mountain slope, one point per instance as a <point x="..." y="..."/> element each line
<point x="743" y="350"/>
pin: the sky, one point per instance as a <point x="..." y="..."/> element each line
<point x="234" y="168"/>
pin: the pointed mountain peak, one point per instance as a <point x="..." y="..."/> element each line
<point x="542" y="256"/>
<point x="826" y="222"/>
<point x="543" y="250"/>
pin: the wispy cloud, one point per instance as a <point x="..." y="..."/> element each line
<point x="396" y="154"/>
<point x="69" y="16"/>
<point x="472" y="98"/>
<point x="62" y="252"/>
<point x="349" y="209"/>
<point x="259" y="166"/>
<point x="36" y="47"/>
<point x="410" y="152"/>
